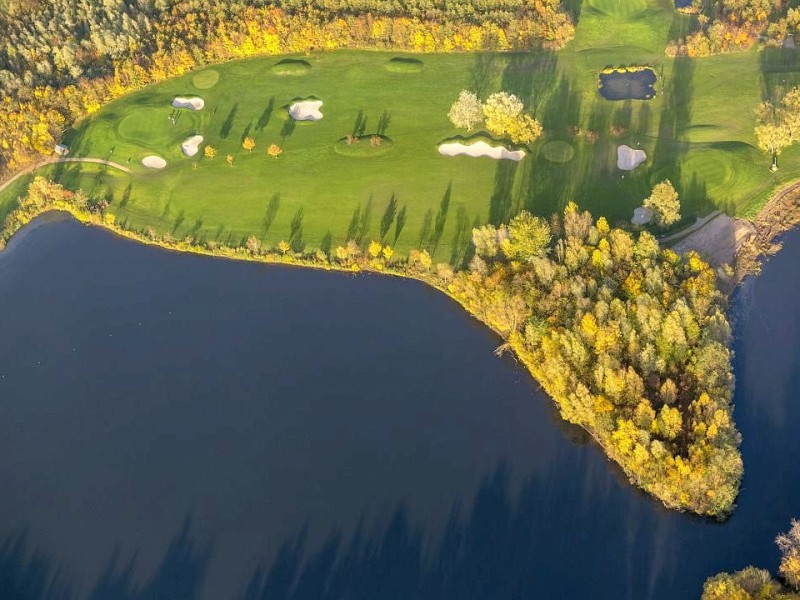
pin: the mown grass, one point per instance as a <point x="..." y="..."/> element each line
<point x="698" y="132"/>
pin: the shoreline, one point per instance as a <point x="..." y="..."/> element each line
<point x="401" y="270"/>
<point x="779" y="215"/>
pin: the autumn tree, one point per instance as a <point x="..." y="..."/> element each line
<point x="248" y="144"/>
<point x="467" y="111"/>
<point x="210" y="152"/>
<point x="253" y="245"/>
<point x="778" y="124"/>
<point x="274" y="150"/>
<point x="500" y="110"/>
<point x="528" y="237"/>
<point x="789" y="544"/>
<point x="664" y="203"/>
<point x="505" y="117"/>
<point x="375" y="249"/>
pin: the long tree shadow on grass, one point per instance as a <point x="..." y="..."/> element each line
<point x="360" y="124"/>
<point x="461" y="245"/>
<point x="486" y="68"/>
<point x="227" y="124"/>
<point x="289" y="126"/>
<point x="384" y="122"/>
<point x="296" y="232"/>
<point x="360" y="223"/>
<point x="441" y="219"/>
<point x="399" y="223"/>
<point x="266" y="116"/>
<point x="531" y="76"/>
<point x="271" y="212"/>
<point x="388" y="216"/>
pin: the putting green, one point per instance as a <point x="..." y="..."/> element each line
<point x="150" y="127"/>
<point x="205" y="80"/>
<point x="558" y="151"/>
<point x="710" y="167"/>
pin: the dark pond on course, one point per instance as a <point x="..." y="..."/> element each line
<point x="631" y="85"/>
<point x="181" y="427"/>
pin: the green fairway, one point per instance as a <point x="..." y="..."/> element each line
<point x="321" y="191"/>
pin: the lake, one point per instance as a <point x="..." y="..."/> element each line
<point x="174" y="426"/>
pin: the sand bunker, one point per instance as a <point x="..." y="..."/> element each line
<point x="642" y="216"/>
<point x="192" y="145"/>
<point x="481" y="149"/>
<point x="190" y="103"/>
<point x="154" y="162"/>
<point x="307" y="110"/>
<point x="628" y="158"/>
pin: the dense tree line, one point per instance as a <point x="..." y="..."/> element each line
<point x="60" y="60"/>
<point x="728" y="25"/>
<point x="630" y="340"/>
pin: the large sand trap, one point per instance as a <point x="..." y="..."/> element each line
<point x="190" y="103"/>
<point x="154" y="162"/>
<point x="481" y="149"/>
<point x="307" y="110"/>
<point x="192" y="145"/>
<point x="628" y="158"/>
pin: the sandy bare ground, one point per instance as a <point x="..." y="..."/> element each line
<point x="190" y="103"/>
<point x="308" y="110"/>
<point x="480" y="149"/>
<point x="628" y="158"/>
<point x="191" y="146"/>
<point x="154" y="162"/>
<point x="717" y="239"/>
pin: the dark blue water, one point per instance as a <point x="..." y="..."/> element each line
<point x="181" y="427"/>
<point x="632" y="85"/>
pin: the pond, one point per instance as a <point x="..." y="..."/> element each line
<point x="174" y="426"/>
<point x="630" y="85"/>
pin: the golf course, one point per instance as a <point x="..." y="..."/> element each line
<point x="322" y="191"/>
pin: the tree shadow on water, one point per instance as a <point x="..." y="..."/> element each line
<point x="32" y="575"/>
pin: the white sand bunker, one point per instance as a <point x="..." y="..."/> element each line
<point x="190" y="103"/>
<point x="307" y="110"/>
<point x="481" y="149"/>
<point x="154" y="162"/>
<point x="192" y="145"/>
<point x="642" y="216"/>
<point x="628" y="158"/>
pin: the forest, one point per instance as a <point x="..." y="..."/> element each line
<point x="729" y="25"/>
<point x="630" y="340"/>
